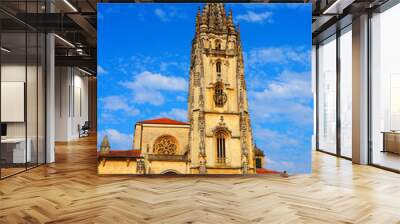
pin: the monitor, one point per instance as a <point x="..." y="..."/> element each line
<point x="3" y="129"/>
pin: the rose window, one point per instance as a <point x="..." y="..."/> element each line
<point x="165" y="145"/>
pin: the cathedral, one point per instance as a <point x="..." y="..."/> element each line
<point x="218" y="138"/>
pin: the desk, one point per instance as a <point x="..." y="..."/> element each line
<point x="391" y="141"/>
<point x="17" y="153"/>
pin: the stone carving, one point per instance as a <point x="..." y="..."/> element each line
<point x="221" y="127"/>
<point x="245" y="165"/>
<point x="165" y="145"/>
<point x="196" y="79"/>
<point x="220" y="96"/>
<point x="140" y="167"/>
<point x="202" y="133"/>
<point x="105" y="146"/>
<point x="214" y="26"/>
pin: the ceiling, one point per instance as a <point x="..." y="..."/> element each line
<point x="331" y="15"/>
<point x="75" y="23"/>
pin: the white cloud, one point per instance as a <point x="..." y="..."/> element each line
<point x="138" y="63"/>
<point x="165" y="65"/>
<point x="118" y="140"/>
<point x="298" y="6"/>
<point x="105" y="117"/>
<point x="279" y="165"/>
<point x="275" y="140"/>
<point x="181" y="98"/>
<point x="287" y="85"/>
<point x="254" y="5"/>
<point x="255" y="17"/>
<point x="115" y="103"/>
<point x="101" y="70"/>
<point x="147" y="87"/>
<point x="161" y="14"/>
<point x="175" y="113"/>
<point x="273" y="6"/>
<point x="286" y="98"/>
<point x="168" y="14"/>
<point x="115" y="9"/>
<point x="279" y="55"/>
<point x="142" y="95"/>
<point x="287" y="164"/>
<point x="100" y="16"/>
<point x="157" y="81"/>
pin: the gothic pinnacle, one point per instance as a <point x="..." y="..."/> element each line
<point x="198" y="13"/>
<point x="198" y="20"/>
<point x="230" y="25"/>
<point x="204" y="16"/>
<point x="214" y="17"/>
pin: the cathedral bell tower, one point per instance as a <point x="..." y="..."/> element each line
<point x="220" y="138"/>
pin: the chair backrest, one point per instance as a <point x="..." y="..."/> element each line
<point x="86" y="125"/>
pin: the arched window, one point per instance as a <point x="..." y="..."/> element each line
<point x="221" y="147"/>
<point x="218" y="67"/>
<point x="170" y="172"/>
<point x="219" y="95"/>
<point x="165" y="145"/>
<point x="218" y="45"/>
<point x="258" y="162"/>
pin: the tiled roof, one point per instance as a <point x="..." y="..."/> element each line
<point x="122" y="153"/>
<point x="265" y="171"/>
<point x="163" y="120"/>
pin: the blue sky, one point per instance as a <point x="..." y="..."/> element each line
<point x="143" y="72"/>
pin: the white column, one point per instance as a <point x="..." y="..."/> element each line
<point x="360" y="90"/>
<point x="314" y="92"/>
<point x="50" y="99"/>
<point x="50" y="92"/>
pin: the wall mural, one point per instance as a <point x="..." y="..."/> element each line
<point x="205" y="88"/>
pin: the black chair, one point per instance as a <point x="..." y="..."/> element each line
<point x="84" y="130"/>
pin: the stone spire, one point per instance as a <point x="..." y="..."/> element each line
<point x="204" y="16"/>
<point x="198" y="20"/>
<point x="230" y="25"/>
<point x="105" y="146"/>
<point x="214" y="17"/>
<point x="216" y="43"/>
<point x="239" y="44"/>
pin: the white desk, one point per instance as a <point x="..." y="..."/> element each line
<point x="19" y="153"/>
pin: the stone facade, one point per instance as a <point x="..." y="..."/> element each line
<point x="149" y="137"/>
<point x="147" y="134"/>
<point x="217" y="96"/>
<point x="117" y="167"/>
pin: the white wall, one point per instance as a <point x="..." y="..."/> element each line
<point x="16" y="73"/>
<point x="80" y="110"/>
<point x="71" y="94"/>
<point x="33" y="126"/>
<point x="62" y="82"/>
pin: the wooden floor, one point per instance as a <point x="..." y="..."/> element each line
<point x="387" y="159"/>
<point x="5" y="172"/>
<point x="70" y="191"/>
